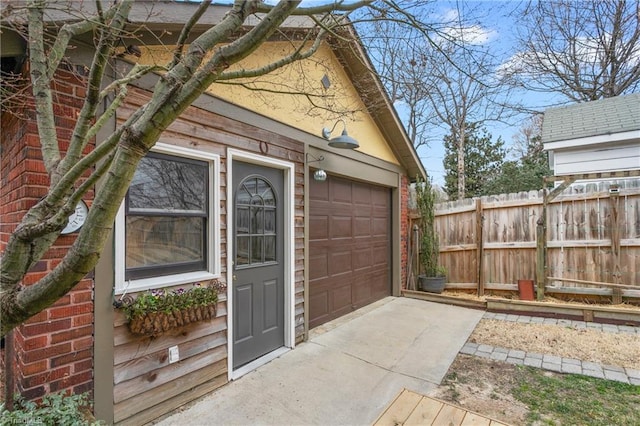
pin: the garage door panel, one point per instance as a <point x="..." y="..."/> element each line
<point x="380" y="226"/>
<point x="319" y="190"/>
<point x="355" y="268"/>
<point x="362" y="289"/>
<point x="340" y="192"/>
<point x="340" y="227"/>
<point x="341" y="297"/>
<point x="379" y="256"/>
<point x="362" y="259"/>
<point x="319" y="227"/>
<point x="361" y="194"/>
<point x="318" y="266"/>
<point x="319" y="304"/>
<point x="362" y="226"/>
<point x="340" y="263"/>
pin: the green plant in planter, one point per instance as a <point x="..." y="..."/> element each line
<point x="429" y="241"/>
<point x="156" y="311"/>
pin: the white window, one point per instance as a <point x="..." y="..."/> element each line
<point x="167" y="227"/>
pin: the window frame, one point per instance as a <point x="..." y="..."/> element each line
<point x="173" y="275"/>
<point x="251" y="235"/>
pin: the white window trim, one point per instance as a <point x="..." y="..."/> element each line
<point x="213" y="246"/>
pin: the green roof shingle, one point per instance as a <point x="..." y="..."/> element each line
<point x="601" y="117"/>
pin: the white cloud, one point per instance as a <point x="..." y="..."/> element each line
<point x="470" y="34"/>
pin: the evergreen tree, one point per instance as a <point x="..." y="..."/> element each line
<point x="483" y="161"/>
<point x="526" y="173"/>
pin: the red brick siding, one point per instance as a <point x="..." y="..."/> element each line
<point x="53" y="350"/>
<point x="404" y="229"/>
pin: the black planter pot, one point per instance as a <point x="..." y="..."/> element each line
<point x="431" y="284"/>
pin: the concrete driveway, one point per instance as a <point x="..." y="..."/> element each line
<point x="349" y="370"/>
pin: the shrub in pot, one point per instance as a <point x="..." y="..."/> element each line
<point x="433" y="276"/>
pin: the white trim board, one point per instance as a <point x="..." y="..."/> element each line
<point x="289" y="256"/>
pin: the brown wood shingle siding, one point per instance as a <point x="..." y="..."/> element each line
<point x="146" y="386"/>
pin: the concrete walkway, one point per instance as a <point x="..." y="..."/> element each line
<point x="553" y="362"/>
<point x="348" y="371"/>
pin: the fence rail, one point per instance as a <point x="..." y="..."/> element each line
<point x="592" y="238"/>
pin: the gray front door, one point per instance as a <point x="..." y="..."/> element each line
<point x="258" y="266"/>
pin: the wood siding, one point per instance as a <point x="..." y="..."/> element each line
<point x="146" y="386"/>
<point x="592" y="159"/>
<point x="579" y="238"/>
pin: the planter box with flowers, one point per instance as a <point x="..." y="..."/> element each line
<point x="157" y="311"/>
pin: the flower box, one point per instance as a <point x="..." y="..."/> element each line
<point x="155" y="312"/>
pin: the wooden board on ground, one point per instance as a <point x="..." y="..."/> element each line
<point x="410" y="408"/>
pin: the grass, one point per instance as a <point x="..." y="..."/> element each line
<point x="576" y="400"/>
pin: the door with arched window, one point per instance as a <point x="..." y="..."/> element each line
<point x="258" y="261"/>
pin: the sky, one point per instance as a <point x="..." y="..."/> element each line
<point x="497" y="29"/>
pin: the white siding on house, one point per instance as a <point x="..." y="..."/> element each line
<point x="605" y="159"/>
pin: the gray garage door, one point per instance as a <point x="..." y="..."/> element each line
<point x="349" y="247"/>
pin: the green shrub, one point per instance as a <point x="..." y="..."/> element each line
<point x="429" y="243"/>
<point x="55" y="409"/>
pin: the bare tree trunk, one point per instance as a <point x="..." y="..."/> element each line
<point x="461" y="180"/>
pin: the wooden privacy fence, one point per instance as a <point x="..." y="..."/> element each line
<point x="592" y="240"/>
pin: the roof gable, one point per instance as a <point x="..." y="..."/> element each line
<point x="151" y="19"/>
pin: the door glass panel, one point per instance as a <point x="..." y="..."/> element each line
<point x="269" y="249"/>
<point x="268" y="198"/>
<point x="243" y="197"/>
<point x="250" y="186"/>
<point x="243" y="220"/>
<point x="256" y="230"/>
<point x="257" y="220"/>
<point x="269" y="221"/>
<point x="257" y="250"/>
<point x="242" y="250"/>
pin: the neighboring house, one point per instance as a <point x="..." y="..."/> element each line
<point x="321" y="249"/>
<point x="593" y="137"/>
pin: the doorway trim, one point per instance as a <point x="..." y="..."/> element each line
<point x="289" y="257"/>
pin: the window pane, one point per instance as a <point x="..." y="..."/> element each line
<point x="161" y="241"/>
<point x="242" y="250"/>
<point x="250" y="185"/>
<point x="269" y="198"/>
<point x="164" y="184"/>
<point x="243" y="220"/>
<point x="243" y="197"/>
<point x="269" y="249"/>
<point x="262" y="188"/>
<point x="257" y="219"/>
<point x="269" y="221"/>
<point x="257" y="249"/>
<point x="255" y="207"/>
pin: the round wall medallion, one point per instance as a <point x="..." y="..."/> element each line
<point x="76" y="219"/>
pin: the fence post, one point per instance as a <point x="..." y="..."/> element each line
<point x="614" y="196"/>
<point x="541" y="248"/>
<point x="479" y="246"/>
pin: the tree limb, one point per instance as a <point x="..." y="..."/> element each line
<point x="40" y="83"/>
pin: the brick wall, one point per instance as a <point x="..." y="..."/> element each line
<point x="404" y="231"/>
<point x="53" y="350"/>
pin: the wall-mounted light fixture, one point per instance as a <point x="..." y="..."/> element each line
<point x="344" y="141"/>
<point x="319" y="175"/>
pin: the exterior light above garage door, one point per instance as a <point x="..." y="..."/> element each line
<point x="319" y="175"/>
<point x="344" y="141"/>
